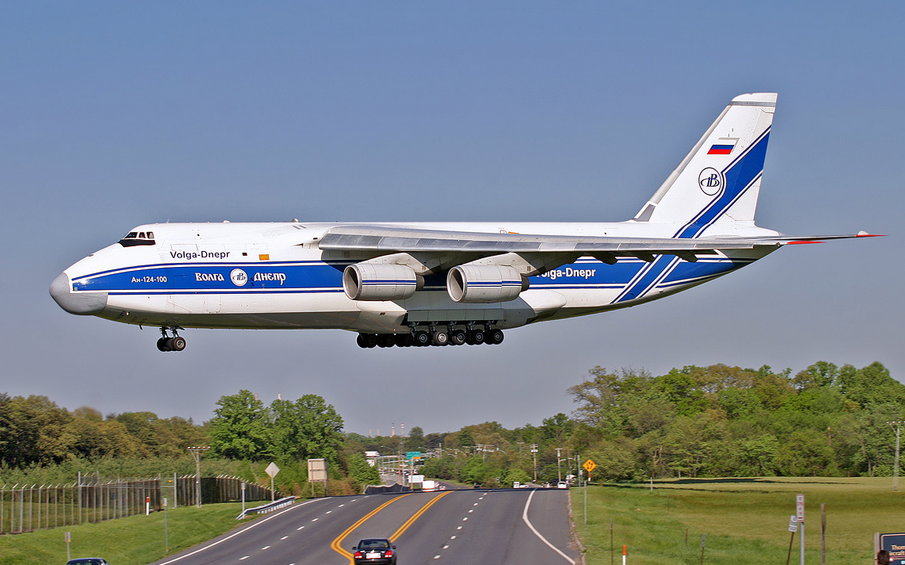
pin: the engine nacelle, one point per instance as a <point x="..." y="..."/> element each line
<point x="366" y="281"/>
<point x="484" y="283"/>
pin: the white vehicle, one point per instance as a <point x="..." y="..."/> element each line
<point x="429" y="486"/>
<point x="441" y="283"/>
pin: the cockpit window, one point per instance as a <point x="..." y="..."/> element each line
<point x="137" y="238"/>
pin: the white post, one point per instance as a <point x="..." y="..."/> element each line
<point x="799" y="503"/>
<point x="166" y="528"/>
<point x="243" y="497"/>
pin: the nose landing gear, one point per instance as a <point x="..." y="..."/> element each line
<point x="166" y="343"/>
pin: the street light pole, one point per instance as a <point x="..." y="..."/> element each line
<point x="558" y="472"/>
<point x="196" y="453"/>
<point x="534" y="453"/>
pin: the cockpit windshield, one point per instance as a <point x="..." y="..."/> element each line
<point x="137" y="238"/>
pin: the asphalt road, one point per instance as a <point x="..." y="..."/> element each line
<point x="481" y="527"/>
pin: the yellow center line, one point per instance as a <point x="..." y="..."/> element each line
<point x="416" y="515"/>
<point x="337" y="543"/>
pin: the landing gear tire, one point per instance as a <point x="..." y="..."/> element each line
<point x="422" y="338"/>
<point x="477" y="337"/>
<point x="495" y="337"/>
<point x="386" y="340"/>
<point x="404" y="340"/>
<point x="162" y="344"/>
<point x="366" y="341"/>
<point x="176" y="343"/>
<point x="458" y="337"/>
<point x="440" y="337"/>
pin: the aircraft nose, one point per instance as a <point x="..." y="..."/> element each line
<point x="84" y="303"/>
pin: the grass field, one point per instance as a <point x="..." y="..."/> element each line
<point x="136" y="540"/>
<point x="745" y="520"/>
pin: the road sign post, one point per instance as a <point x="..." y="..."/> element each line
<point x="272" y="470"/>
<point x="589" y="466"/>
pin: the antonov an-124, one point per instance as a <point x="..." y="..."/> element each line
<point x="420" y="284"/>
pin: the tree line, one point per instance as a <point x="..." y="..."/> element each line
<point x="718" y="420"/>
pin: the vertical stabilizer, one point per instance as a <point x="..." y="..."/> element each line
<point x="716" y="185"/>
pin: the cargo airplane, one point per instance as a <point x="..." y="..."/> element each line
<point x="419" y="284"/>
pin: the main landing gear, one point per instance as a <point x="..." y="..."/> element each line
<point x="166" y="343"/>
<point x="437" y="335"/>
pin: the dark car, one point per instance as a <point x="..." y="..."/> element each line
<point x="87" y="561"/>
<point x="375" y="551"/>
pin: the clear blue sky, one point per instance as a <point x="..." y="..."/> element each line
<point x="114" y="114"/>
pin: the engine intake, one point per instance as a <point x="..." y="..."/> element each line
<point x="484" y="283"/>
<point x="365" y="281"/>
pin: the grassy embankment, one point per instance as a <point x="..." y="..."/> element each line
<point x="745" y="520"/>
<point x="136" y="540"/>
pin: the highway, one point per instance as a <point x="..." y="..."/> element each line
<point x="483" y="527"/>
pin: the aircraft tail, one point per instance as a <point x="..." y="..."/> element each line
<point x="715" y="187"/>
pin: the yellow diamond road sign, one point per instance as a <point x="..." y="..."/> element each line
<point x="589" y="465"/>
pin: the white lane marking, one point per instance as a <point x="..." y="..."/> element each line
<point x="445" y="547"/>
<point x="542" y="538"/>
<point x="243" y="558"/>
<point x="452" y="537"/>
<point x="470" y="511"/>
<point x="329" y="511"/>
<point x="315" y="520"/>
<point x="459" y="527"/>
<point x="300" y="528"/>
<point x="284" y="537"/>
<point x="436" y="557"/>
<point x="341" y="505"/>
<point x="465" y="519"/>
<point x="242" y="531"/>
<point x="475" y="504"/>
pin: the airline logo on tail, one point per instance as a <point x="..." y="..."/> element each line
<point x="711" y="181"/>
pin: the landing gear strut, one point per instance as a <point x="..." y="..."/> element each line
<point x="166" y="343"/>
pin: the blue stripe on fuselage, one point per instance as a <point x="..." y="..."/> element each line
<point x="312" y="277"/>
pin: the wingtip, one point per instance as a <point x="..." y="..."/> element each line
<point x="865" y="234"/>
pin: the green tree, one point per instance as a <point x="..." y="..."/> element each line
<point x="239" y="427"/>
<point x="363" y="473"/>
<point x="304" y="429"/>
<point x="415" y="441"/>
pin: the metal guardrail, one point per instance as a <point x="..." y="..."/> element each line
<point x="263" y="509"/>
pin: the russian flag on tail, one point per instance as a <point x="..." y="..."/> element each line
<point x="721" y="149"/>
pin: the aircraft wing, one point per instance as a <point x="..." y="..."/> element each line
<point x="391" y="239"/>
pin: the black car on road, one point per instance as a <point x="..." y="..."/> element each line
<point x="375" y="551"/>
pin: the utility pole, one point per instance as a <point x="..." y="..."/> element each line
<point x="196" y="453"/>
<point x="534" y="453"/>
<point x="895" y="468"/>
<point x="558" y="472"/>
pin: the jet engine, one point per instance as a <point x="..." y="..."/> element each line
<point x="484" y="283"/>
<point x="365" y="281"/>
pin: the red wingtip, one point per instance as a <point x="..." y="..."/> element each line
<point x="865" y="234"/>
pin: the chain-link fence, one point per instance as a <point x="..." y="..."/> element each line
<point x="26" y="508"/>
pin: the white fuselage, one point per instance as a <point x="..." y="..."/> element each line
<point x="274" y="275"/>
